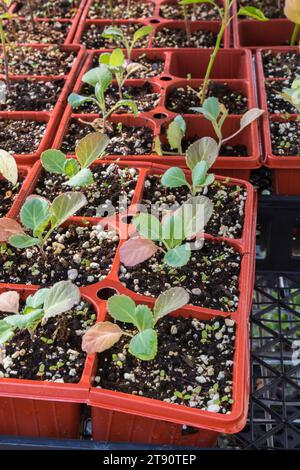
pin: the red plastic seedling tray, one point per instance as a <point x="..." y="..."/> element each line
<point x="41" y="408"/>
<point x="286" y="168"/>
<point x="23" y="172"/>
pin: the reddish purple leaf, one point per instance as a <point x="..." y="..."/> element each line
<point x="136" y="250"/>
<point x="9" y="227"/>
<point x="100" y="337"/>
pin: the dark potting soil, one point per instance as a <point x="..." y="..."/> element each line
<point x="201" y="12"/>
<point x="276" y="104"/>
<point x="144" y="97"/>
<point x="167" y="37"/>
<point x="181" y="100"/>
<point x="92" y="38"/>
<point x="137" y="9"/>
<point x="32" y="95"/>
<point x="225" y="151"/>
<point x="8" y="194"/>
<point x="49" y="8"/>
<point x="271" y="8"/>
<point x="47" y="61"/>
<point x="21" y="136"/>
<point x="229" y="204"/>
<point x="152" y="67"/>
<point x="211" y="276"/>
<point x="285" y="138"/>
<point x="113" y="189"/>
<point x="48" y="32"/>
<point x="53" y="353"/>
<point x="83" y="255"/>
<point x="124" y="140"/>
<point x="281" y="64"/>
<point x="193" y="365"/>
<point x="262" y="181"/>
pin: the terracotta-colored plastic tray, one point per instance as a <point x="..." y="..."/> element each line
<point x="23" y="172"/>
<point x="286" y="169"/>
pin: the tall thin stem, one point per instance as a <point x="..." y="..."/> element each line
<point x="187" y="24"/>
<point x="225" y="20"/>
<point x="5" y="56"/>
<point x="295" y="34"/>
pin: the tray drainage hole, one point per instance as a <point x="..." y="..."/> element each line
<point x="165" y="79"/>
<point x="154" y="21"/>
<point x="106" y="293"/>
<point x="160" y="116"/>
<point x="127" y="219"/>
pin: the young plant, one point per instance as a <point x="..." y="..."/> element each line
<point x="100" y="78"/>
<point x="89" y="149"/>
<point x="39" y="307"/>
<point x="176" y="227"/>
<point x="118" y="35"/>
<point x="226" y="17"/>
<point x="175" y="133"/>
<point x="291" y="95"/>
<point x="292" y="12"/>
<point x="143" y="344"/>
<point x="111" y="9"/>
<point x="8" y="167"/>
<point x="186" y="23"/>
<point x="120" y="68"/>
<point x="41" y="218"/>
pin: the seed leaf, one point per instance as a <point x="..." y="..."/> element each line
<point x="60" y="298"/>
<point x="25" y="321"/>
<point x="178" y="257"/>
<point x="100" y="337"/>
<point x="195" y="214"/>
<point x="83" y="178"/>
<point x="117" y="58"/>
<point x="250" y="116"/>
<point x="54" y="161"/>
<point x="144" y="317"/>
<point x="136" y="250"/>
<point x="100" y="74"/>
<point x="9" y="227"/>
<point x="9" y="302"/>
<point x="199" y="173"/>
<point x="174" y="178"/>
<point x="122" y="308"/>
<point x="75" y="100"/>
<point x="252" y="12"/>
<point x="144" y="345"/>
<point x="71" y="167"/>
<point x="6" y="332"/>
<point x="205" y="149"/>
<point x="169" y="301"/>
<point x="148" y="226"/>
<point x="64" y="206"/>
<point x="37" y="300"/>
<point x="34" y="212"/>
<point x="175" y="132"/>
<point x="90" y="148"/>
<point x="142" y="32"/>
<point x="8" y="167"/>
<point x="23" y="241"/>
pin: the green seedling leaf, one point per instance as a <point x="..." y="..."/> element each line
<point x="209" y="180"/>
<point x="60" y="298"/>
<point x="9" y="302"/>
<point x="111" y="32"/>
<point x="8" y="167"/>
<point x="100" y="337"/>
<point x="23" y="241"/>
<point x="157" y="146"/>
<point x="54" y="161"/>
<point x="172" y="230"/>
<point x="9" y="227"/>
<point x="211" y="108"/>
<point x="90" y="148"/>
<point x="25" y="321"/>
<point x="34" y="212"/>
<point x="199" y="174"/>
<point x="175" y="133"/>
<point x="6" y="332"/>
<point x="126" y="104"/>
<point x="169" y="301"/>
<point x="71" y="167"/>
<point x="83" y="178"/>
<point x="122" y="308"/>
<point x="178" y="257"/>
<point x="136" y="250"/>
<point x="37" y="300"/>
<point x="100" y="74"/>
<point x="144" y="317"/>
<point x="148" y="226"/>
<point x="190" y="2"/>
<point x="142" y="32"/>
<point x="75" y="100"/>
<point x="104" y="58"/>
<point x="64" y="206"/>
<point x="195" y="214"/>
<point x="205" y="149"/>
<point x="252" y="12"/>
<point x="250" y="116"/>
<point x="144" y="345"/>
<point x="117" y="58"/>
<point x="174" y="178"/>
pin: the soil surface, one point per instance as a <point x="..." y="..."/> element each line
<point x="54" y="351"/>
<point x="166" y="37"/>
<point x="211" y="276"/>
<point x="8" y="194"/>
<point x="229" y="204"/>
<point x="276" y="104"/>
<point x="198" y="375"/>
<point x="194" y="13"/>
<point x="48" y="61"/>
<point x="152" y="67"/>
<point x="144" y="97"/>
<point x="269" y="7"/>
<point x="49" y="8"/>
<point x="281" y="64"/>
<point x="124" y="140"/>
<point x="181" y="100"/>
<point x="92" y="38"/>
<point x="113" y="189"/>
<point x="21" y="136"/>
<point x="137" y="9"/>
<point x="48" y="32"/>
<point x="32" y="95"/>
<point x="285" y="138"/>
<point x="83" y="255"/>
<point x="262" y="181"/>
